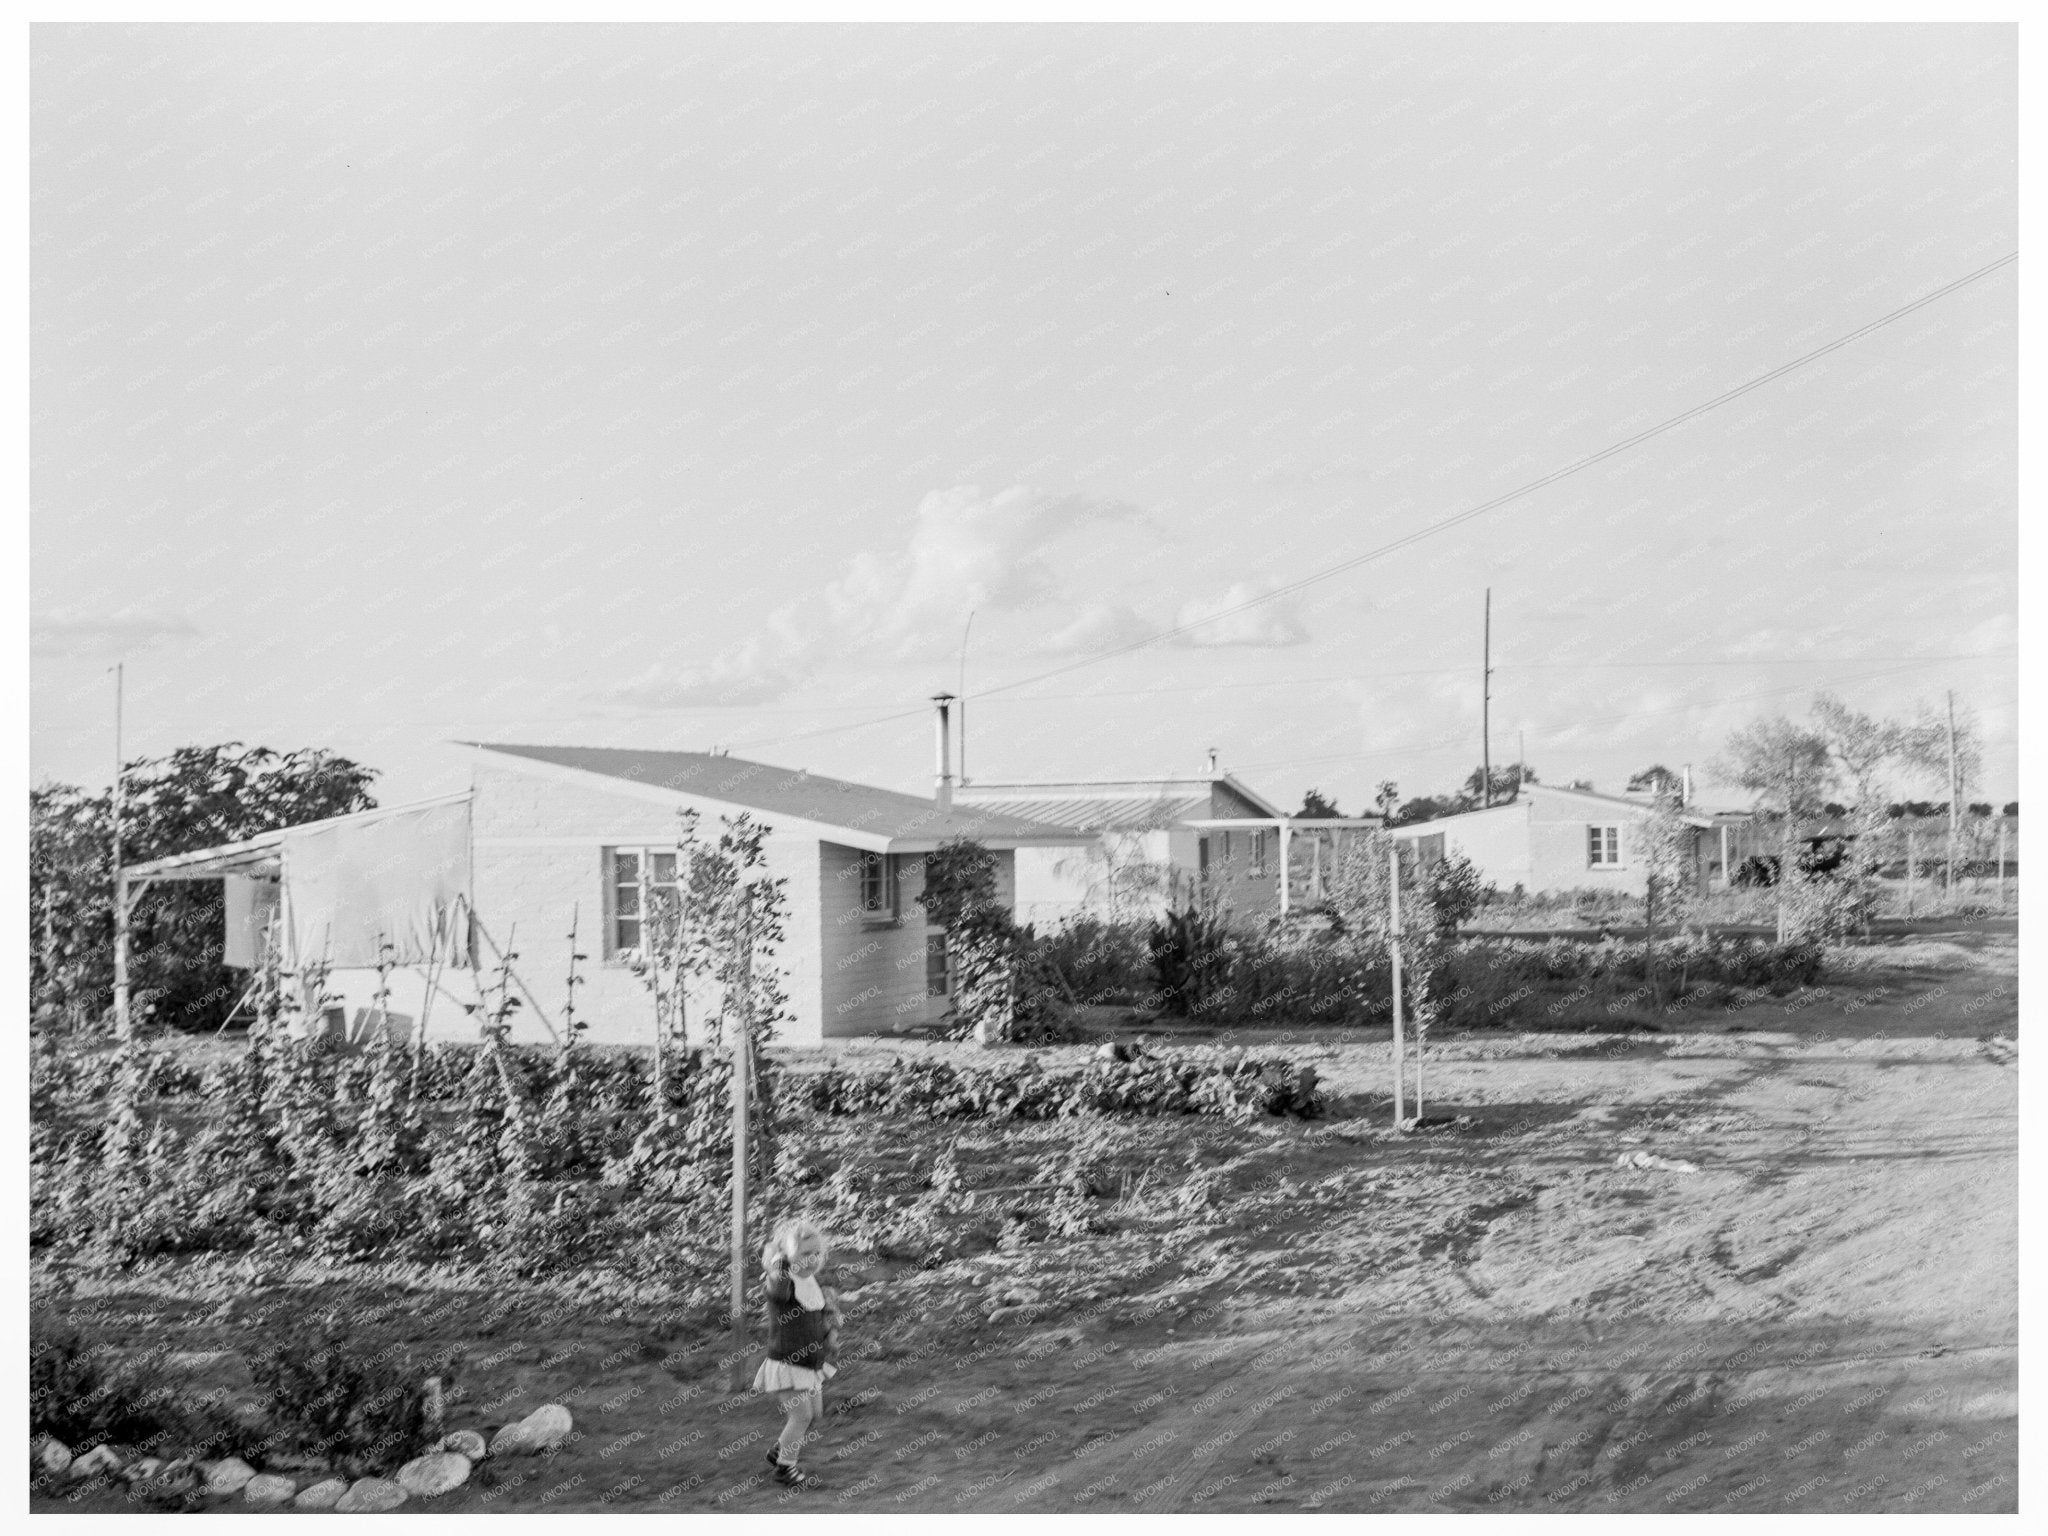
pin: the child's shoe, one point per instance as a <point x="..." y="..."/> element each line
<point x="788" y="1476"/>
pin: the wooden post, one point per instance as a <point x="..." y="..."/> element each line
<point x="1954" y="794"/>
<point x="1394" y="948"/>
<point x="2001" y="863"/>
<point x="1911" y="872"/>
<point x="1286" y="833"/>
<point x="1785" y="852"/>
<point x="123" y="1024"/>
<point x="739" y="1021"/>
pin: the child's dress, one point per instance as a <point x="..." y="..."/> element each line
<point x="799" y="1320"/>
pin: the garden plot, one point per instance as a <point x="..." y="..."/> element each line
<point x="1276" y="1312"/>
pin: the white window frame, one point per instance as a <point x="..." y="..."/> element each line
<point x="1608" y="845"/>
<point x="614" y="951"/>
<point x="936" y="949"/>
<point x="879" y="878"/>
<point x="1258" y="869"/>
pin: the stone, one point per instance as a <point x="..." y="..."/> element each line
<point x="268" y="1488"/>
<point x="228" y="1476"/>
<point x="142" y="1471"/>
<point x="324" y="1494"/>
<point x="51" y="1455"/>
<point x="97" y="1462"/>
<point x="541" y="1430"/>
<point x="368" y="1495"/>
<point x="463" y="1442"/>
<point x="434" y="1473"/>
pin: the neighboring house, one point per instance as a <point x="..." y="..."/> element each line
<point x="1154" y="838"/>
<point x="550" y="836"/>
<point x="1551" y="839"/>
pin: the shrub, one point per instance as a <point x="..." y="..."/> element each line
<point x="1563" y="981"/>
<point x="83" y="1396"/>
<point x="1190" y="959"/>
<point x="1101" y="962"/>
<point x="333" y="1397"/>
<point x="1151" y="1085"/>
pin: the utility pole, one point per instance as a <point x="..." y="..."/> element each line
<point x="1521" y="760"/>
<point x="1486" y="707"/>
<point x="123" y="1023"/>
<point x="1954" y="794"/>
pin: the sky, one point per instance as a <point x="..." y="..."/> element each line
<point x="691" y="386"/>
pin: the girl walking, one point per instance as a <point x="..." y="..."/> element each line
<point x="803" y="1322"/>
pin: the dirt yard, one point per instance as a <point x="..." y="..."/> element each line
<point x="1500" y="1314"/>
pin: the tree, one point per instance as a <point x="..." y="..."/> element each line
<point x="1945" y="746"/>
<point x="1315" y="808"/>
<point x="1426" y="808"/>
<point x="197" y="797"/>
<point x="1505" y="781"/>
<point x="1789" y="769"/>
<point x="1655" y="780"/>
<point x="1386" y="798"/>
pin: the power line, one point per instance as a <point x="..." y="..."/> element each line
<point x="1633" y="714"/>
<point x="1444" y="525"/>
<point x="1281" y="684"/>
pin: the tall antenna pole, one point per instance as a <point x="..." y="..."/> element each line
<point x="963" y="695"/>
<point x="1486" y="710"/>
<point x="121" y="1012"/>
<point x="1521" y="760"/>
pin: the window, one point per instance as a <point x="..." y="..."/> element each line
<point x="935" y="964"/>
<point x="1202" y="855"/>
<point x="1603" y="847"/>
<point x="643" y="882"/>
<point x="878" y="886"/>
<point x="1258" y="855"/>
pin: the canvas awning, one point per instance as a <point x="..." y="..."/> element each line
<point x="353" y="884"/>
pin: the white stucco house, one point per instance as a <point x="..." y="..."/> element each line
<point x="1155" y="838"/>
<point x="1549" y="839"/>
<point x="549" y="837"/>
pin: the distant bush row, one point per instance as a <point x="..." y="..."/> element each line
<point x="1309" y="977"/>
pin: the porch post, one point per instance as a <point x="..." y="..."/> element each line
<point x="1286" y="835"/>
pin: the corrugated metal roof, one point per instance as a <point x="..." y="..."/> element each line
<point x="1104" y="813"/>
<point x="794" y="792"/>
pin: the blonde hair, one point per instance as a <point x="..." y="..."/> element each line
<point x="788" y="1233"/>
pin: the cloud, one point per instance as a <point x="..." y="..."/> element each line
<point x="966" y="553"/>
<point x="1101" y="627"/>
<point x="1276" y="622"/>
<point x="108" y="638"/>
<point x="726" y="682"/>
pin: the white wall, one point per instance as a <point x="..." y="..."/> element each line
<point x="1557" y="844"/>
<point x="539" y="856"/>
<point x="1496" y="841"/>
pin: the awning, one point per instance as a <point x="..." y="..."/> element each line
<point x="398" y="875"/>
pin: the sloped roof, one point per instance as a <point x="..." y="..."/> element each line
<point x="1117" y="805"/>
<point x="1640" y="805"/>
<point x="796" y="792"/>
<point x="261" y="854"/>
